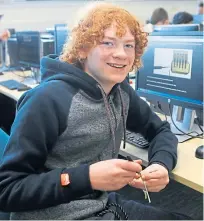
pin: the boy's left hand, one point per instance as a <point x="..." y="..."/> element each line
<point x="155" y="176"/>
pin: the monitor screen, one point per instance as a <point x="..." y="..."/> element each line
<point x="173" y="69"/>
<point x="29" y="48"/>
<point x="61" y="35"/>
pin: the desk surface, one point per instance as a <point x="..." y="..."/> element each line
<point x="14" y="94"/>
<point x="189" y="170"/>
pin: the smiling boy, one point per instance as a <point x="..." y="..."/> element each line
<point x="61" y="158"/>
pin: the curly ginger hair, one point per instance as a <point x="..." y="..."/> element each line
<point x="89" y="32"/>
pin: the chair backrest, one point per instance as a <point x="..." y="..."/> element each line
<point x="3" y="141"/>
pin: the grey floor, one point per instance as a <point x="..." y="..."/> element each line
<point x="175" y="197"/>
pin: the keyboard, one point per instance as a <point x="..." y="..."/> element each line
<point x="13" y="84"/>
<point x="136" y="139"/>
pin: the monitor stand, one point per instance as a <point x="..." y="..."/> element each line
<point x="184" y="120"/>
<point x="34" y="77"/>
<point x="35" y="72"/>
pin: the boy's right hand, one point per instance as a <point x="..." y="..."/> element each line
<point x="114" y="174"/>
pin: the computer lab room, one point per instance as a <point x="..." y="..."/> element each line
<point x="60" y="161"/>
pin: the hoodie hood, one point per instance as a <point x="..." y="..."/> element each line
<point x="53" y="69"/>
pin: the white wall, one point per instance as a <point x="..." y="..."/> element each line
<point x="38" y="16"/>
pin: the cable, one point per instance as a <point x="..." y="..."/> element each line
<point x="198" y="122"/>
<point x="188" y="134"/>
<point x="160" y="108"/>
<point x="183" y="133"/>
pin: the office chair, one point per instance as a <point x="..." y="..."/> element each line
<point x="3" y="141"/>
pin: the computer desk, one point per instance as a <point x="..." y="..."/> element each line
<point x="189" y="170"/>
<point x="18" y="76"/>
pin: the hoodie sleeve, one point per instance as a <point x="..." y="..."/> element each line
<point x="163" y="143"/>
<point x="39" y="122"/>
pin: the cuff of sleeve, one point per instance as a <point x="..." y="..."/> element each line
<point x="163" y="158"/>
<point x="80" y="184"/>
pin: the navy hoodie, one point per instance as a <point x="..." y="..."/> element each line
<point x="64" y="125"/>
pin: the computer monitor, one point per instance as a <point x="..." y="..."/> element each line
<point x="179" y="27"/>
<point x="61" y="35"/>
<point x="172" y="74"/>
<point x="29" y="48"/>
<point x="32" y="46"/>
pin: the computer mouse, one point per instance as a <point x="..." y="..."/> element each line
<point x="199" y="152"/>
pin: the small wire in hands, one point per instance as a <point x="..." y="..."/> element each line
<point x="145" y="191"/>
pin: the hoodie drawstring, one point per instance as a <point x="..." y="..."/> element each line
<point x="123" y="117"/>
<point x="107" y="106"/>
<point x="117" y="214"/>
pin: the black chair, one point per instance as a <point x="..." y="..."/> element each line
<point x="3" y="141"/>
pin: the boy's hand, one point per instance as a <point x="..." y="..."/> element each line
<point x="111" y="175"/>
<point x="155" y="176"/>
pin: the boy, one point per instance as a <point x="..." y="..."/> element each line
<point x="62" y="154"/>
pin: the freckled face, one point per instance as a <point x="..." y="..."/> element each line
<point x="111" y="60"/>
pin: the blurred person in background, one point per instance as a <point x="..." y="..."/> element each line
<point x="198" y="18"/>
<point x="159" y="17"/>
<point x="4" y="34"/>
<point x="200" y="8"/>
<point x="182" y="18"/>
